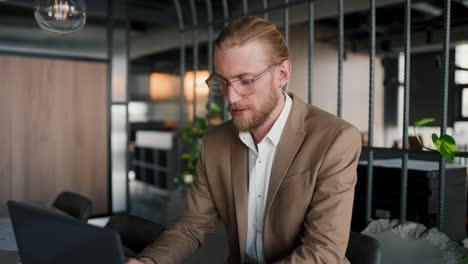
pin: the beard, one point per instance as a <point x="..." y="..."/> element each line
<point x="259" y="116"/>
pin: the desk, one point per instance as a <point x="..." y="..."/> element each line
<point x="422" y="196"/>
<point x="7" y="257"/>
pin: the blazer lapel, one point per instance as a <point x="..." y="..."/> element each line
<point x="288" y="146"/>
<point x="239" y="176"/>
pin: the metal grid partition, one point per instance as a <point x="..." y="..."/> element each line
<point x="370" y="149"/>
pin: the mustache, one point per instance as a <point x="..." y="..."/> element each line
<point x="235" y="106"/>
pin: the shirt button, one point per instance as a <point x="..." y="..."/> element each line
<point x="259" y="161"/>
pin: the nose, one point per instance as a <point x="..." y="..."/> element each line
<point x="231" y="95"/>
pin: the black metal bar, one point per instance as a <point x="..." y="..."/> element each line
<point x="225" y="21"/>
<point x="340" y="56"/>
<point x="370" y="160"/>
<point x="245" y="7"/>
<point x="193" y="10"/>
<point x="265" y="8"/>
<point x="443" y="114"/>
<point x="210" y="51"/>
<point x="286" y="22"/>
<point x="311" y="50"/>
<point x="180" y="20"/>
<point x="143" y="169"/>
<point x="109" y="42"/>
<point x="225" y="13"/>
<point x="210" y="35"/>
<point x="404" y="165"/>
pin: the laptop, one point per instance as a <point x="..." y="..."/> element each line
<point x="45" y="237"/>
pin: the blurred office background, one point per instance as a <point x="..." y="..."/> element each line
<point x="99" y="111"/>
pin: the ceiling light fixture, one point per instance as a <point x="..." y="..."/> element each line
<point x="60" y="16"/>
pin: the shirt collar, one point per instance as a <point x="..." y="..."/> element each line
<point x="276" y="130"/>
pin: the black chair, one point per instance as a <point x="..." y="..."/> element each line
<point x="135" y="232"/>
<point x="363" y="249"/>
<point x="74" y="204"/>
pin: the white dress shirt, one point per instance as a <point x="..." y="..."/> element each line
<point x="260" y="164"/>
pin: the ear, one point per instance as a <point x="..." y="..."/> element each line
<point x="284" y="73"/>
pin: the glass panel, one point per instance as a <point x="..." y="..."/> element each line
<point x="461" y="56"/>
<point x="465" y="102"/>
<point x="119" y="153"/>
<point x="401" y="68"/>
<point x="138" y="111"/>
<point x="461" y="77"/>
<point x="119" y="66"/>
<point x="162" y="158"/>
<point x="162" y="177"/>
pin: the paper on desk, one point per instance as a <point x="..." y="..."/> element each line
<point x="7" y="237"/>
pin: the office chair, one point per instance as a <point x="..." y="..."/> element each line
<point x="74" y="204"/>
<point x="363" y="249"/>
<point x="135" y="232"/>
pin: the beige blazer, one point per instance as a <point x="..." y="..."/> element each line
<point x="309" y="200"/>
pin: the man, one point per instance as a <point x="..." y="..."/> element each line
<point x="280" y="174"/>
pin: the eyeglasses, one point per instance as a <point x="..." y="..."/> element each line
<point x="220" y="86"/>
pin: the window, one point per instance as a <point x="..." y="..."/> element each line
<point x="465" y="103"/>
<point x="461" y="78"/>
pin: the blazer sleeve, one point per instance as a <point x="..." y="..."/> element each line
<point x="181" y="239"/>
<point x="327" y="223"/>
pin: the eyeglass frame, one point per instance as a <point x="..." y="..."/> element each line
<point x="228" y="83"/>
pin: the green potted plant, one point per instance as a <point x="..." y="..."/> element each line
<point x="445" y="144"/>
<point x="192" y="136"/>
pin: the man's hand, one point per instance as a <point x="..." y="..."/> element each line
<point x="136" y="261"/>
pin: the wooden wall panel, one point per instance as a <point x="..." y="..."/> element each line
<point x="53" y="130"/>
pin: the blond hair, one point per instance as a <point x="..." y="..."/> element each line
<point x="247" y="29"/>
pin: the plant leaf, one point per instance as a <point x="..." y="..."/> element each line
<point x="185" y="156"/>
<point x="446" y="146"/>
<point x="200" y="122"/>
<point x="423" y="122"/>
<point x="435" y="137"/>
<point x="185" y="133"/>
<point x="215" y="108"/>
<point x="197" y="132"/>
